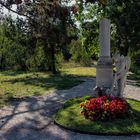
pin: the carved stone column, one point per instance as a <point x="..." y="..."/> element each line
<point x="104" y="71"/>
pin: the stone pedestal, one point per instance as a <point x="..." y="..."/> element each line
<point x="104" y="76"/>
<point x="104" y="71"/>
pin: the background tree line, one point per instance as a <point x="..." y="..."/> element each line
<point x="53" y="32"/>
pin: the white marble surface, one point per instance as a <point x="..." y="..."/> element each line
<point x="104" y="71"/>
<point x="104" y="37"/>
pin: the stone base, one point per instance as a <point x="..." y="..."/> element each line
<point x="104" y="75"/>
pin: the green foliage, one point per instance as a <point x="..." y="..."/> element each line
<point x="125" y="16"/>
<point x="12" y="45"/>
<point x="37" y="61"/>
<point x="18" y="50"/>
<point x="49" y="26"/>
<point x="125" y="27"/>
<point x="75" y="48"/>
<point x="36" y="41"/>
<point x="90" y="33"/>
<point x="87" y="47"/>
<point x="135" y="58"/>
<point x="79" y="54"/>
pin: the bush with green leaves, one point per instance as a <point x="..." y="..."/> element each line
<point x="135" y="61"/>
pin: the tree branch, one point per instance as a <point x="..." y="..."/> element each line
<point x="12" y="10"/>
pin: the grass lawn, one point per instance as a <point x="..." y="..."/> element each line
<point x="80" y="71"/>
<point x="21" y="84"/>
<point x="69" y="116"/>
<point x="17" y="85"/>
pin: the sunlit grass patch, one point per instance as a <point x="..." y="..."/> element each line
<point x="80" y="71"/>
<point x="25" y="84"/>
<point x="18" y="85"/>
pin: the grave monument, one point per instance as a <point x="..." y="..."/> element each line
<point x="107" y="81"/>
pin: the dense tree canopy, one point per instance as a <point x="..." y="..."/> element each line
<point x="51" y="28"/>
<point x="125" y="15"/>
<point x="47" y="23"/>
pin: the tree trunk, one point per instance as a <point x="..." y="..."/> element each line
<point x="53" y="67"/>
<point x="50" y="55"/>
<point x="2" y="65"/>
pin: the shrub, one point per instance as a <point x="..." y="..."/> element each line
<point x="105" y="108"/>
<point x="135" y="61"/>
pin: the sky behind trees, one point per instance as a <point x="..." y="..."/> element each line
<point x="14" y="15"/>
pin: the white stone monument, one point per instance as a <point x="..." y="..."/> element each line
<point x="104" y="70"/>
<point x="107" y="82"/>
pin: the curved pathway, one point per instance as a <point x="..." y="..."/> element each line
<point x="31" y="118"/>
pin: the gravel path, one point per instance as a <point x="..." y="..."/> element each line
<point x="31" y="118"/>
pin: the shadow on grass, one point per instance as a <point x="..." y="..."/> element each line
<point x="29" y="84"/>
<point x="80" y="76"/>
<point x="48" y="82"/>
<point x="32" y="118"/>
<point x="12" y="73"/>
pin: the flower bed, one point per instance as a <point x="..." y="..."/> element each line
<point x="69" y="117"/>
<point x="105" y="108"/>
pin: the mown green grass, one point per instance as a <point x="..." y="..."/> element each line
<point x="80" y="71"/>
<point x="22" y="84"/>
<point x="18" y="85"/>
<point x="70" y="117"/>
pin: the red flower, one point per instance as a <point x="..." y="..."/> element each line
<point x="104" y="108"/>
